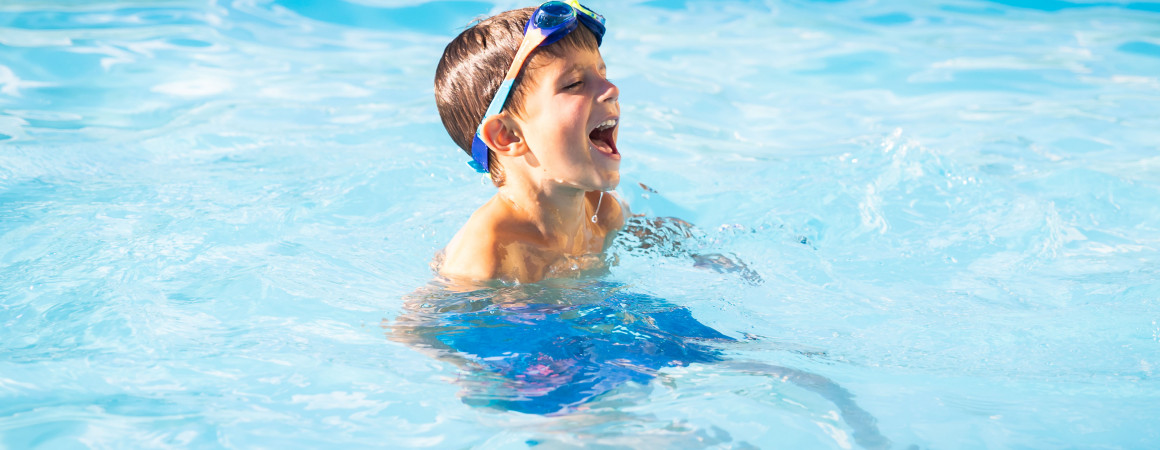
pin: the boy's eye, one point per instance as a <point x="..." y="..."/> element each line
<point x="574" y="85"/>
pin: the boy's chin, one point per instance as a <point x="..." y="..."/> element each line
<point x="609" y="182"/>
<point x="602" y="180"/>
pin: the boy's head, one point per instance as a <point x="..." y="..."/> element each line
<point x="474" y="65"/>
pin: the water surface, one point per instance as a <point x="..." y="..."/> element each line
<point x="209" y="210"/>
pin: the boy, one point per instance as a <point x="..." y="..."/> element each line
<point x="546" y="135"/>
<point x="547" y="140"/>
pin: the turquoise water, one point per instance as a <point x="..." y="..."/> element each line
<point x="215" y="215"/>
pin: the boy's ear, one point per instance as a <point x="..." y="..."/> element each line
<point x="503" y="135"/>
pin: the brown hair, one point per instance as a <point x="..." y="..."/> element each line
<point x="474" y="65"/>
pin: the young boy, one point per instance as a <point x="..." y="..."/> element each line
<point x="546" y="135"/>
<point x="549" y="146"/>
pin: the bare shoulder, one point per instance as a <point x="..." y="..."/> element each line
<point x="471" y="254"/>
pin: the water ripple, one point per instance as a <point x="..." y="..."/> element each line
<point x="209" y="210"/>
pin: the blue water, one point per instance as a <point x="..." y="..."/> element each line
<point x="216" y="219"/>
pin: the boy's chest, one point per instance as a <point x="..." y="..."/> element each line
<point x="531" y="263"/>
<point x="575" y="266"/>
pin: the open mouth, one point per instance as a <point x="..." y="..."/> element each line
<point x="603" y="137"/>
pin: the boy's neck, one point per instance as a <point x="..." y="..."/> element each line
<point x="556" y="211"/>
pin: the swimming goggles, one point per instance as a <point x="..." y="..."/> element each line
<point x="548" y="24"/>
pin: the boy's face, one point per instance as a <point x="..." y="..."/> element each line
<point x="565" y="122"/>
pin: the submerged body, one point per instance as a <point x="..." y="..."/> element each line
<point x="544" y="350"/>
<point x="559" y="347"/>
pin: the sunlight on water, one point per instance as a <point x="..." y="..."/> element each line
<point x="217" y="218"/>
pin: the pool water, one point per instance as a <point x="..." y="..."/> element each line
<point x="217" y="218"/>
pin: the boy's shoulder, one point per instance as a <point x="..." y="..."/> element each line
<point x="472" y="254"/>
<point x="489" y="246"/>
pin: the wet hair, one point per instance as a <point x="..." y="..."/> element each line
<point x="474" y="65"/>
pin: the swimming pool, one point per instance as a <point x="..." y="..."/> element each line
<point x="212" y="214"/>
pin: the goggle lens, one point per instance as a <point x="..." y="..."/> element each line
<point x="552" y="14"/>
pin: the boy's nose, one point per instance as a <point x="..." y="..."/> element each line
<point x="610" y="94"/>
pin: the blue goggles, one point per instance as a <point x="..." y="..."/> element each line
<point x="548" y="24"/>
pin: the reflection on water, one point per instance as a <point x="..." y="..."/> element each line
<point x="552" y="348"/>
